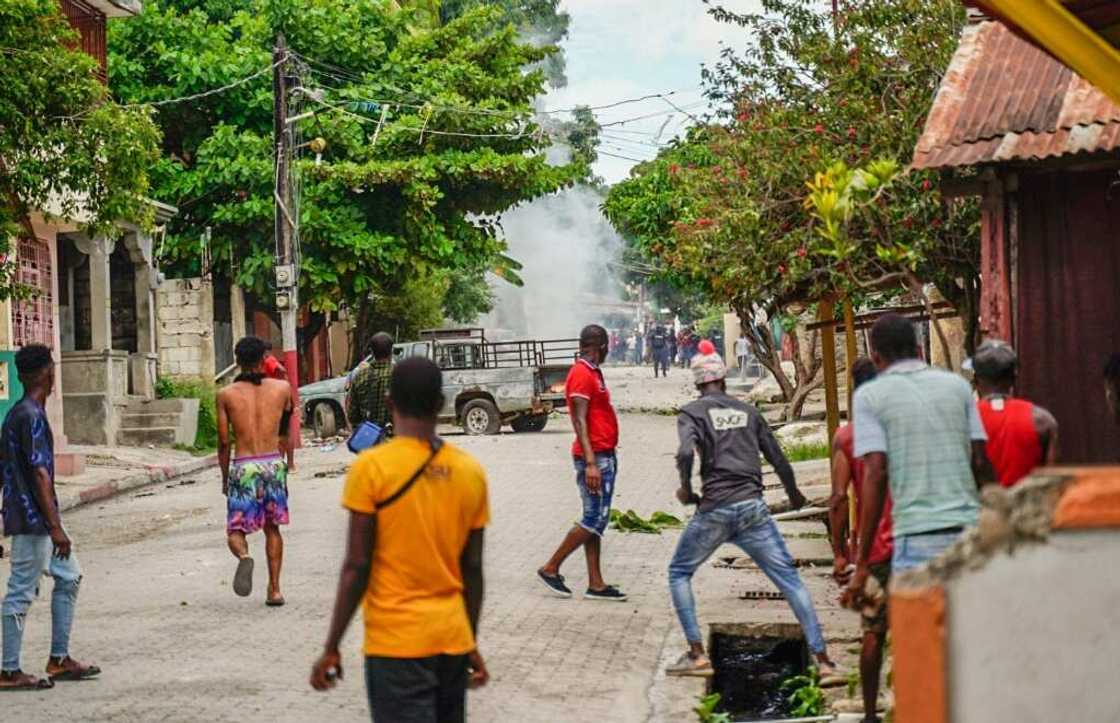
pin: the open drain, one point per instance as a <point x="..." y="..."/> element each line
<point x="762" y="595"/>
<point x="751" y="661"/>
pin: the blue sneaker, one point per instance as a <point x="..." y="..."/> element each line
<point x="555" y="584"/>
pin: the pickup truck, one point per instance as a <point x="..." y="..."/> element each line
<point x="486" y="384"/>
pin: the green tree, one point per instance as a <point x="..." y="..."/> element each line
<point x="540" y="22"/>
<point x="725" y="209"/>
<point x="429" y="136"/>
<point x="64" y="145"/>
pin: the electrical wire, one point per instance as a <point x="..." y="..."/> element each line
<point x="207" y="93"/>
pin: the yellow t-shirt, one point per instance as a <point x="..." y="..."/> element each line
<point x="414" y="605"/>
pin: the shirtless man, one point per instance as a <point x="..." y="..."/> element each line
<point x="256" y="484"/>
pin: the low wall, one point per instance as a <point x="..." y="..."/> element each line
<point x="1019" y="621"/>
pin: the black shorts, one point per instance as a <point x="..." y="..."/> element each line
<point x="417" y="690"/>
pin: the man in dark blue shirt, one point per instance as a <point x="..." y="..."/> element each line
<point x="31" y="518"/>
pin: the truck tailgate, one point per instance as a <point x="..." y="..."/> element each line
<point x="552" y="378"/>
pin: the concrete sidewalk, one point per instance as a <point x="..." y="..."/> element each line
<point x="112" y="470"/>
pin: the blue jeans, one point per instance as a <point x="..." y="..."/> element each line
<point x="597" y="508"/>
<point x="912" y="551"/>
<point x="32" y="557"/>
<point x="747" y="525"/>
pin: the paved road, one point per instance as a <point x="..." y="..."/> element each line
<point x="158" y="614"/>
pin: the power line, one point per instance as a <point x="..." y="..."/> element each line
<point x="207" y="93"/>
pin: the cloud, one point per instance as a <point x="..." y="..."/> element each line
<point x="620" y="49"/>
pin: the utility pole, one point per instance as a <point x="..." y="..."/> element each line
<point x="287" y="281"/>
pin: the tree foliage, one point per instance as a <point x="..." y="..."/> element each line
<point x="725" y="208"/>
<point x="64" y="146"/>
<point x="539" y="22"/>
<point x="409" y="184"/>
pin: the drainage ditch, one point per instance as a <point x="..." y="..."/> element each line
<point x="751" y="662"/>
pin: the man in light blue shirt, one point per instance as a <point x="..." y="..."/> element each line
<point x="916" y="428"/>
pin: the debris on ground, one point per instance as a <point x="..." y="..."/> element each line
<point x="631" y="521"/>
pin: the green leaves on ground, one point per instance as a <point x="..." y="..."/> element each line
<point x="706" y="710"/>
<point x="807" y="698"/>
<point x="803" y="451"/>
<point x="631" y="521"/>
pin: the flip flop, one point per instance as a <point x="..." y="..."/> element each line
<point x="30" y="683"/>
<point x="275" y="602"/>
<point x="243" y="578"/>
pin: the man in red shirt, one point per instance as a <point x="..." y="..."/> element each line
<point x="847" y="471"/>
<point x="596" y="427"/>
<point x="1021" y="435"/>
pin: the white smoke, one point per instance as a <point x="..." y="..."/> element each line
<point x="568" y="250"/>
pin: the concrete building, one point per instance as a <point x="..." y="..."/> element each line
<point x="93" y="297"/>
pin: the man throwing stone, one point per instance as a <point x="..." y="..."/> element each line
<point x="596" y="427"/>
<point x="256" y="482"/>
<point x="31" y="518"/>
<point x="730" y="434"/>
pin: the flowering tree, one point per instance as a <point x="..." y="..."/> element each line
<point x="726" y="207"/>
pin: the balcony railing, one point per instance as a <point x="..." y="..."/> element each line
<point x="90" y="24"/>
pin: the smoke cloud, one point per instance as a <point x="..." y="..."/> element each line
<point x="568" y="249"/>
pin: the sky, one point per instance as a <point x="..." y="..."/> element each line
<point x="621" y="49"/>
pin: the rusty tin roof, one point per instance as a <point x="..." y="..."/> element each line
<point x="1004" y="99"/>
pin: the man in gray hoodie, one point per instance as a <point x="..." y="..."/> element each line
<point x="730" y="435"/>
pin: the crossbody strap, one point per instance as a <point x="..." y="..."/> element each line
<point x="437" y="445"/>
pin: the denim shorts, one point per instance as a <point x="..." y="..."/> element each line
<point x="597" y="508"/>
<point x="912" y="551"/>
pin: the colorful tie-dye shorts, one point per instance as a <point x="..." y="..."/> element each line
<point x="258" y="493"/>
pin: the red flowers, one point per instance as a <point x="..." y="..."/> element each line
<point x="782" y="269"/>
<point x="851" y="134"/>
<point x="926" y="185"/>
<point x="818" y="129"/>
<point x="674" y="169"/>
<point x="802" y="252"/>
<point x="703" y="222"/>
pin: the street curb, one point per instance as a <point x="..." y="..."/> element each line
<point x="149" y="476"/>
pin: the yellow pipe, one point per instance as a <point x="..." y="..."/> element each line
<point x="1058" y="30"/>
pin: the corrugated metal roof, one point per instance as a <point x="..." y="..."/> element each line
<point x="1004" y="99"/>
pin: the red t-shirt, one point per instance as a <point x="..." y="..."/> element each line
<point x="882" y="547"/>
<point x="1013" y="444"/>
<point x="585" y="380"/>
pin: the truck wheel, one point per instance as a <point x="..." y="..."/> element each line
<point x="481" y="417"/>
<point x="325" y="420"/>
<point x="531" y="423"/>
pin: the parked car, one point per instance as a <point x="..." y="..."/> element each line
<point x="486" y="384"/>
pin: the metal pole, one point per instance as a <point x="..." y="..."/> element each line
<point x="287" y="283"/>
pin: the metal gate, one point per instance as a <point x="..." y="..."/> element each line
<point x="33" y="318"/>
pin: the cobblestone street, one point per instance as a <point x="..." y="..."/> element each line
<point x="158" y="614"/>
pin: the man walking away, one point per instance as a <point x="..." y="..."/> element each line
<point x="596" y="428"/>
<point x="414" y="553"/>
<point x="659" y="345"/>
<point x="742" y="355"/>
<point x="917" y="427"/>
<point x="367" y="400"/>
<point x="729" y="435"/>
<point x="273" y="369"/>
<point x="1021" y="435"/>
<point x="256" y="483"/>
<point x="847" y="473"/>
<point x="39" y="542"/>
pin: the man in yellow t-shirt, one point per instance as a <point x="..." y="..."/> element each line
<point x="417" y="511"/>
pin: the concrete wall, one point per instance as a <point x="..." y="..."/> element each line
<point x="185" y="328"/>
<point x="1033" y="637"/>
